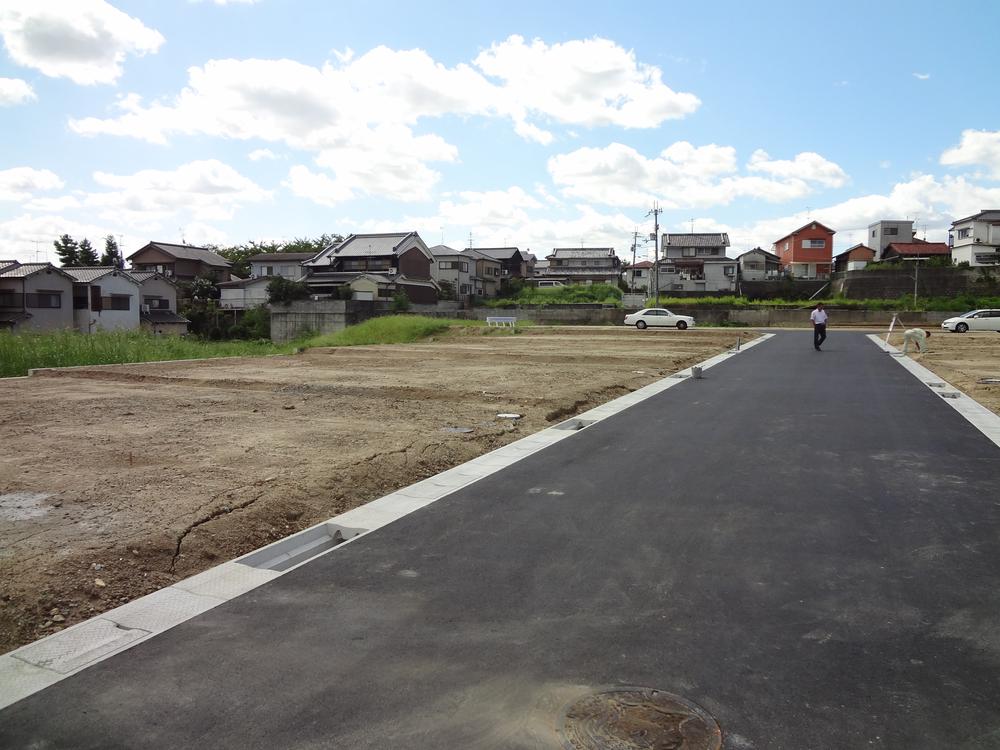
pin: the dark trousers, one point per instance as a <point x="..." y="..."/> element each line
<point x="819" y="334"/>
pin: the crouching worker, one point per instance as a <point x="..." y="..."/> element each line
<point x="916" y="336"/>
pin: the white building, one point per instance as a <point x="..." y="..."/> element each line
<point x="286" y="265"/>
<point x="976" y="239"/>
<point x="105" y="298"/>
<point x="244" y="294"/>
<point x="35" y="296"/>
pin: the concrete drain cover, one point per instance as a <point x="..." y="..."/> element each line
<point x="639" y="718"/>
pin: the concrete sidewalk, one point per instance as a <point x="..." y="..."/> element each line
<point x="803" y="543"/>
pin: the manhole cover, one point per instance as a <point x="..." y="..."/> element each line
<point x="631" y="718"/>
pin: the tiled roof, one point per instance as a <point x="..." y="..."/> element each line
<point x="286" y="257"/>
<point x="919" y="248"/>
<point x="711" y="239"/>
<point x="444" y="250"/>
<point x="473" y="253"/>
<point x="187" y="252"/>
<point x="852" y="248"/>
<point x="807" y="226"/>
<point x="143" y="276"/>
<point x="643" y="264"/>
<point x="5" y="263"/>
<point x="581" y="252"/>
<point x="22" y="270"/>
<point x="370" y="244"/>
<point x="498" y="253"/>
<point x="989" y="215"/>
<point x="163" y="316"/>
<point x="87" y="274"/>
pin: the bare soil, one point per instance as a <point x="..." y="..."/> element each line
<point x="117" y="481"/>
<point x="964" y="360"/>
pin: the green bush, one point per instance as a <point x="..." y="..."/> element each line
<point x="284" y="291"/>
<point x="391" y="329"/>
<point x="608" y="294"/>
<point x="400" y="302"/>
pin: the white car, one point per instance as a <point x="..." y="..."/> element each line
<point x="657" y="316"/>
<point x="976" y="320"/>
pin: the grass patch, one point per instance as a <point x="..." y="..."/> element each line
<point x="391" y="329"/>
<point x="24" y="351"/>
<point x="573" y="294"/>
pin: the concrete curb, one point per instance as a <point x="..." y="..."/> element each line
<point x="974" y="412"/>
<point x="37" y="665"/>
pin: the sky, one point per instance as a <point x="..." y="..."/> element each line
<point x="528" y="124"/>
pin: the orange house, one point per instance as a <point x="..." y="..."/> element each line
<point x="807" y="253"/>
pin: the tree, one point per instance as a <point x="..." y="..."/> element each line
<point x="284" y="291"/>
<point x="447" y="290"/>
<point x="87" y="255"/>
<point x="112" y="256"/>
<point x="67" y="250"/>
<point x="203" y="289"/>
<point x="400" y="302"/>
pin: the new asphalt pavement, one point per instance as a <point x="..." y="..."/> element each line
<point x="805" y="544"/>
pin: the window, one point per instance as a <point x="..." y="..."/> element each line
<point x="964" y="233"/>
<point x="96" y="299"/>
<point x="729" y="270"/>
<point x="815" y="243"/>
<point x="464" y="289"/>
<point x="42" y="299"/>
<point x="463" y="266"/>
<point x="156" y="303"/>
<point x="9" y="298"/>
<point x="118" y="302"/>
<point x="786" y="245"/>
<point x="874" y="233"/>
<point x="705" y="251"/>
<point x="445" y="265"/>
<point x="687" y="252"/>
<point x="269" y="270"/>
<point x="892" y="230"/>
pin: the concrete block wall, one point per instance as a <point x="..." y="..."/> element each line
<point x="931" y="282"/>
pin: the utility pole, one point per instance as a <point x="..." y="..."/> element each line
<point x="635" y="241"/>
<point x="656" y="211"/>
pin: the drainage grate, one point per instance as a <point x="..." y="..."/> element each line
<point x="300" y="547"/>
<point x="573" y="424"/>
<point x="950" y="394"/>
<point x="936" y="385"/>
<point x="644" y="718"/>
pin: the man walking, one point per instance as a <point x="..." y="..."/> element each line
<point x="916" y="336"/>
<point x="818" y="318"/>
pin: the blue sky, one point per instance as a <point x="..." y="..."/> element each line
<point x="530" y="124"/>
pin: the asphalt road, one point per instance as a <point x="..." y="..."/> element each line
<point x="803" y="543"/>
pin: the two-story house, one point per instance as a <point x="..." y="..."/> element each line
<point x="158" y="304"/>
<point x="401" y="262"/>
<point x="453" y="268"/>
<point x="181" y="262"/>
<point x="486" y="274"/>
<point x="976" y="239"/>
<point x="104" y="297"/>
<point x="758" y="265"/>
<point x="696" y="262"/>
<point x="35" y="297"/>
<point x="882" y="233"/>
<point x="583" y="265"/>
<point x="286" y="265"/>
<point x="807" y="253"/>
<point x="514" y="263"/>
<point x="639" y="276"/>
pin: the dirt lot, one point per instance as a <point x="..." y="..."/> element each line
<point x="117" y="481"/>
<point x="963" y="359"/>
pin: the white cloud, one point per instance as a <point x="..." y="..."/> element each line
<point x="15" y="91"/>
<point x="85" y="41"/>
<point x="51" y="205"/>
<point x="493" y="208"/>
<point x="209" y="190"/>
<point x="197" y="233"/>
<point x="922" y="76"/>
<point x="20" y="183"/>
<point x="366" y="108"/>
<point x="684" y="175"/>
<point x="808" y="166"/>
<point x="259" y="154"/>
<point x="589" y="82"/>
<point x="977" y="148"/>
<point x="319" y="188"/>
<point x="30" y="236"/>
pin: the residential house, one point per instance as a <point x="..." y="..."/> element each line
<point x="883" y="232"/>
<point x="853" y="258"/>
<point x="286" y="265"/>
<point x="807" y="253"/>
<point x="758" y="265"/>
<point x="158" y="304"/>
<point x="639" y="276"/>
<point x="896" y="251"/>
<point x="487" y="273"/>
<point x="976" y="239"/>
<point x="181" y="262"/>
<point x="35" y="296"/>
<point x="243" y="294"/>
<point x="451" y="267"/>
<point x="514" y="263"/>
<point x="402" y="258"/>
<point x="696" y="262"/>
<point x="104" y="297"/>
<point x="583" y="265"/>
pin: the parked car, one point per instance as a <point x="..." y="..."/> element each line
<point x="658" y="316"/>
<point x="974" y="320"/>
